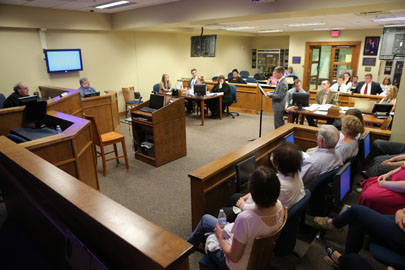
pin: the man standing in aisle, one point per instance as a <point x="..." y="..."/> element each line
<point x="279" y="96"/>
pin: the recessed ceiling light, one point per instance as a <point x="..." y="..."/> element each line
<point x="394" y="25"/>
<point x="305" y="24"/>
<point x="389" y="19"/>
<point x="269" y="31"/>
<point x="112" y="4"/>
<point x="328" y="29"/>
<point x="237" y="28"/>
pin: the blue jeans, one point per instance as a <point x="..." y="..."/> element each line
<point x="381" y="228"/>
<point x="207" y="224"/>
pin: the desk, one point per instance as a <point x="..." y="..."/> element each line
<point x="51" y="206"/>
<point x="32" y="133"/>
<point x="213" y="184"/>
<point x="369" y="119"/>
<point x="202" y="100"/>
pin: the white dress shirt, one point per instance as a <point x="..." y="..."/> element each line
<point x="364" y="87"/>
<point x="343" y="87"/>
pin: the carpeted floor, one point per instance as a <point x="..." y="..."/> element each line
<point x="162" y="195"/>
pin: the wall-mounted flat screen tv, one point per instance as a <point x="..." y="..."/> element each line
<point x="63" y="60"/>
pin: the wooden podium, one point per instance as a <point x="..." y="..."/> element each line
<point x="164" y="128"/>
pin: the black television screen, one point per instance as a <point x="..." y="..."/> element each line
<point x="63" y="60"/>
<point x="204" y="46"/>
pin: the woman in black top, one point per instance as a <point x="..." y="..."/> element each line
<point x="235" y="77"/>
<point x="227" y="99"/>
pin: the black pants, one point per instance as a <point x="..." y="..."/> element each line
<point x="213" y="105"/>
<point x="382" y="147"/>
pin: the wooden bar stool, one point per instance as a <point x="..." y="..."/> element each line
<point x="105" y="139"/>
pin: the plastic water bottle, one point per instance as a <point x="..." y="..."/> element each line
<point x="222" y="218"/>
<point x="58" y="129"/>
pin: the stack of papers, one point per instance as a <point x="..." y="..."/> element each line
<point x="324" y="107"/>
<point x="312" y="108"/>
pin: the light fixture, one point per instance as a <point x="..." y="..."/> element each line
<point x="394" y="25"/>
<point x="305" y="24"/>
<point x="269" y="31"/>
<point x="112" y="4"/>
<point x="328" y="29"/>
<point x="237" y="28"/>
<point x="389" y="19"/>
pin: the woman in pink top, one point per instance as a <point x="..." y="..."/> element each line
<point x="386" y="193"/>
<point x="266" y="218"/>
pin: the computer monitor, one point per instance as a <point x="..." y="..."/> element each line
<point x="382" y="108"/>
<point x="367" y="145"/>
<point x="28" y="99"/>
<point x="36" y="112"/>
<point x="290" y="137"/>
<point x="96" y="94"/>
<point x="301" y="100"/>
<point x="200" y="89"/>
<point x="243" y="170"/>
<point x="342" y="184"/>
<point x="156" y="101"/>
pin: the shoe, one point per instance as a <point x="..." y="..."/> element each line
<point x="328" y="259"/>
<point x="322" y="223"/>
<point x="364" y="175"/>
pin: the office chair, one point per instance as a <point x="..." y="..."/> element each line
<point x="215" y="78"/>
<point x="105" y="139"/>
<point x="260" y="255"/>
<point x="244" y="74"/>
<point x="131" y="97"/>
<point x="251" y="80"/>
<point x="259" y="76"/>
<point x="156" y="88"/>
<point x="233" y="93"/>
<point x="2" y="100"/>
<point x="229" y="75"/>
<point x="288" y="237"/>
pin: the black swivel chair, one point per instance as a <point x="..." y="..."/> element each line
<point x="233" y="93"/>
<point x="2" y="100"/>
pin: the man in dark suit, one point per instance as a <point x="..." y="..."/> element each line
<point x="368" y="87"/>
<point x="20" y="90"/>
<point x="279" y="96"/>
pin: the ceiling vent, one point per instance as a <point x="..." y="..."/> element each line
<point x="371" y="13"/>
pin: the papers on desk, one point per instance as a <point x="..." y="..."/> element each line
<point x="215" y="94"/>
<point x="321" y="112"/>
<point x="325" y="107"/>
<point x="312" y="108"/>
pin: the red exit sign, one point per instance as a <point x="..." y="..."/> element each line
<point x="334" y="33"/>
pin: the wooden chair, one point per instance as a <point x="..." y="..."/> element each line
<point x="262" y="250"/>
<point x="105" y="139"/>
<point x="129" y="97"/>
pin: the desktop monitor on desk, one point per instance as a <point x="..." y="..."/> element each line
<point x="35" y="112"/>
<point x="382" y="110"/>
<point x="156" y="101"/>
<point x="301" y="100"/>
<point x="96" y="94"/>
<point x="341" y="184"/>
<point x="28" y="99"/>
<point x="200" y="90"/>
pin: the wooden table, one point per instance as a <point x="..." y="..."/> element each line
<point x="202" y="100"/>
<point x="369" y="119"/>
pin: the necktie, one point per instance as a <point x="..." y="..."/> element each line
<point x="366" y="89"/>
<point x="338" y="88"/>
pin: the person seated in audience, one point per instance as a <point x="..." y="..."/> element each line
<point x="272" y="80"/>
<point x="385" y="193"/>
<point x="189" y="103"/>
<point x="347" y="80"/>
<point x="390" y="97"/>
<point x="235" y="77"/>
<point x="355" y="112"/>
<point x="340" y="86"/>
<point x="368" y="87"/>
<point x="85" y="88"/>
<point x="325" y="96"/>
<point x="384" y="156"/>
<point x="165" y="85"/>
<point x="227" y="98"/>
<point x="287" y="159"/>
<point x="20" y="90"/>
<point x="387" y="230"/>
<point x="348" y="146"/>
<point x="355" y="81"/>
<point x="325" y="158"/>
<point x="236" y="239"/>
<point x="289" y="72"/>
<point x="385" y="85"/>
<point x="289" y="101"/>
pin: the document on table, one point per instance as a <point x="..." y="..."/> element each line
<point x="312" y="108"/>
<point x="321" y="112"/>
<point x="325" y="107"/>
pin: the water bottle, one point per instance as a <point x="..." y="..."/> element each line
<point x="222" y="218"/>
<point x="58" y="129"/>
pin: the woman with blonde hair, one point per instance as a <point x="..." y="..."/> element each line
<point x="347" y="145"/>
<point x="391" y="97"/>
<point x="165" y="83"/>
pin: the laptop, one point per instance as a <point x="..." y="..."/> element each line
<point x="365" y="106"/>
<point x="155" y="103"/>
